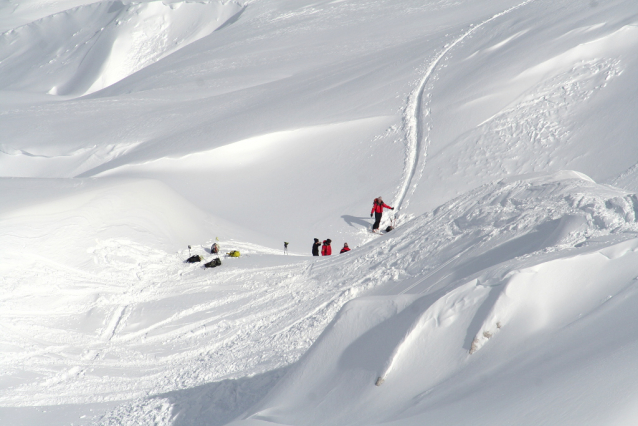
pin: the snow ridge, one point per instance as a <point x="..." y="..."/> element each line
<point x="90" y="47"/>
<point x="531" y="257"/>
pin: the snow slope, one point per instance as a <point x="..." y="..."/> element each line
<point x="62" y="55"/>
<point x="132" y="129"/>
<point x="490" y="331"/>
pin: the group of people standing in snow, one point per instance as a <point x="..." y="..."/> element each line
<point x="377" y="209"/>
<point x="326" y="248"/>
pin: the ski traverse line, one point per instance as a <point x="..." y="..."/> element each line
<point x="412" y="116"/>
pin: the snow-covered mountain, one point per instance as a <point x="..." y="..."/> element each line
<point x="502" y="132"/>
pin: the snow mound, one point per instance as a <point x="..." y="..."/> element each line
<point x="90" y="47"/>
<point x="511" y="271"/>
<point x="88" y="213"/>
<point x="94" y="290"/>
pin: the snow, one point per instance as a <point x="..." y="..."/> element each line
<point x="59" y="52"/>
<point x="507" y="299"/>
<point x="137" y="133"/>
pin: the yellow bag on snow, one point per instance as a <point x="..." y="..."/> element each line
<point x="233" y="253"/>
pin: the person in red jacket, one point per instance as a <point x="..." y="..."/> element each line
<point x="377" y="209"/>
<point x="326" y="250"/>
<point x="345" y="248"/>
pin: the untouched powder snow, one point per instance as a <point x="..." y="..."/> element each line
<point x="134" y="134"/>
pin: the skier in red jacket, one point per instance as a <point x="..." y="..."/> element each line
<point x="345" y="248"/>
<point x="377" y="209"/>
<point x="326" y="250"/>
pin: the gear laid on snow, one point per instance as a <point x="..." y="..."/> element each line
<point x="213" y="263"/>
<point x="194" y="259"/>
<point x="214" y="249"/>
<point x="233" y="253"/>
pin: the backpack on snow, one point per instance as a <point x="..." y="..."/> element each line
<point x="213" y="263"/>
<point x="233" y="253"/>
<point x="389" y="228"/>
<point x="194" y="259"/>
<point x="214" y="249"/>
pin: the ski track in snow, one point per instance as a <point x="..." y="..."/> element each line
<point x="233" y="321"/>
<point x="414" y="117"/>
<point x="107" y="335"/>
<point x="462" y="269"/>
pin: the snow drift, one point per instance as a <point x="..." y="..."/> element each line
<point x="514" y="271"/>
<point x="90" y="47"/>
<point x="131" y="129"/>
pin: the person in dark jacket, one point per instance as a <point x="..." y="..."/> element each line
<point x="315" y="247"/>
<point x="326" y="250"/>
<point x="377" y="209"/>
<point x="345" y="248"/>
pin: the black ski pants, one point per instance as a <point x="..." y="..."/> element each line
<point x="377" y="220"/>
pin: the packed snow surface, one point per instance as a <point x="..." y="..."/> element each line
<point x="134" y="134"/>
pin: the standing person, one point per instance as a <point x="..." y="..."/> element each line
<point x="315" y="247"/>
<point x="345" y="248"/>
<point x="377" y="209"/>
<point x="326" y="250"/>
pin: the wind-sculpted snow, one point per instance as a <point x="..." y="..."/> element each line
<point x="458" y="280"/>
<point x="529" y="259"/>
<point x="90" y="47"/>
<point x="130" y="130"/>
<point x="524" y="116"/>
<point x="538" y="125"/>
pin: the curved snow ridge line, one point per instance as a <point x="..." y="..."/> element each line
<point x="551" y="299"/>
<point x="414" y="132"/>
<point x="85" y="49"/>
<point x="427" y="320"/>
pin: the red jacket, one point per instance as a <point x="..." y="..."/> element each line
<point x="345" y="249"/>
<point x="326" y="250"/>
<point x="378" y="208"/>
